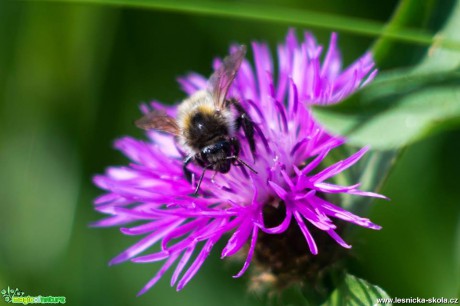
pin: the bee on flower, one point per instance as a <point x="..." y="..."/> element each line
<point x="240" y="160"/>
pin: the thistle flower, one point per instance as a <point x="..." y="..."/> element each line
<point x="153" y="197"/>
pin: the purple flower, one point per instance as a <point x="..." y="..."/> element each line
<point x="151" y="197"/>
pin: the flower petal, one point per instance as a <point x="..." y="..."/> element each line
<point x="252" y="247"/>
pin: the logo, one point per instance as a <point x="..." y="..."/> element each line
<point x="17" y="296"/>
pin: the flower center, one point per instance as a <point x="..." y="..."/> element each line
<point x="286" y="257"/>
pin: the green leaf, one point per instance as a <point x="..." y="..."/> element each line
<point x="353" y="291"/>
<point x="403" y="106"/>
<point x="396" y="109"/>
<point x="438" y="58"/>
<point x="408" y="14"/>
<point x="278" y="14"/>
<point x="457" y="254"/>
<point x="371" y="172"/>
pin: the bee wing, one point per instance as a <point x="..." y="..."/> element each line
<point x="222" y="78"/>
<point x="158" y="120"/>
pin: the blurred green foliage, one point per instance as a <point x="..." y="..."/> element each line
<point x="71" y="79"/>
<point x="411" y="103"/>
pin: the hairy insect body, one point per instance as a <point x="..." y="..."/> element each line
<point x="201" y="124"/>
<point x="206" y="123"/>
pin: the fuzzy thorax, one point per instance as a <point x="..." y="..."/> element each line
<point x="201" y="122"/>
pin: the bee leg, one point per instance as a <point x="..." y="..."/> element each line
<point x="235" y="145"/>
<point x="235" y="159"/>
<point x="187" y="173"/>
<point x="201" y="178"/>
<point x="245" y="121"/>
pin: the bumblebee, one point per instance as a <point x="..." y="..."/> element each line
<point x="207" y="121"/>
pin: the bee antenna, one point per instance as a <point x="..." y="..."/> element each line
<point x="243" y="163"/>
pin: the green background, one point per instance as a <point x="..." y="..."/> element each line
<point x="71" y="79"/>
